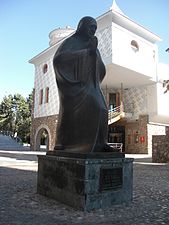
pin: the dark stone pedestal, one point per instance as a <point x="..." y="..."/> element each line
<point x="86" y="183"/>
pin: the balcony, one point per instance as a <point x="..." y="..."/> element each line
<point x="115" y="114"/>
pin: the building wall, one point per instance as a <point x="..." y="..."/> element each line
<point x="160" y="147"/>
<point x="104" y="36"/>
<point x="149" y="99"/>
<point x="42" y="81"/>
<point x="152" y="130"/>
<point x="135" y="137"/>
<point x="125" y="55"/>
<point x="47" y="123"/>
<point x="141" y="137"/>
<point x="162" y="99"/>
<point x="152" y="101"/>
<point x="140" y="102"/>
<point x="135" y="101"/>
<point x="136" y="141"/>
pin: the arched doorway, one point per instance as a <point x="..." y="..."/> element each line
<point x="42" y="140"/>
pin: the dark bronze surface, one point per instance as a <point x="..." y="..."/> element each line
<point x="83" y="116"/>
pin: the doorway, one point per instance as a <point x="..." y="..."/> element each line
<point x="42" y="140"/>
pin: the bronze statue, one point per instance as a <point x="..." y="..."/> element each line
<point x="83" y="116"/>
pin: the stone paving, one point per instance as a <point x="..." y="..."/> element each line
<point x="21" y="205"/>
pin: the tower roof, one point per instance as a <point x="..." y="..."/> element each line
<point x="116" y="8"/>
<point x="116" y="16"/>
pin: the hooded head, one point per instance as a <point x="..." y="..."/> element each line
<point x="87" y="26"/>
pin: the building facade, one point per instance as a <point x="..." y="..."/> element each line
<point x="134" y="86"/>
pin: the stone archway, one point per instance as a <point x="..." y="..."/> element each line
<point x="42" y="138"/>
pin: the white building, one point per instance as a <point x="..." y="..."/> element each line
<point x="133" y="86"/>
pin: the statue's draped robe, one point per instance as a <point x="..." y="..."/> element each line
<point x="82" y="123"/>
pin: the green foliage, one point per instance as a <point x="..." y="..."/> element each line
<point x="15" y="115"/>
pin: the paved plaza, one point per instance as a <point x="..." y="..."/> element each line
<point x="21" y="205"/>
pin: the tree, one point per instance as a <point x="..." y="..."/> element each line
<point x="15" y="115"/>
<point x="6" y="114"/>
<point x="25" y="119"/>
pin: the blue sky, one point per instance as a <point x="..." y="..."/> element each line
<point x="25" y="26"/>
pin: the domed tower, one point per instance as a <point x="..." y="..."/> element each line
<point x="59" y="33"/>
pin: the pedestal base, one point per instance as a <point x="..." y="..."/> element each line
<point x="86" y="183"/>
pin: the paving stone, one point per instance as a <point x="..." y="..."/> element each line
<point x="20" y="204"/>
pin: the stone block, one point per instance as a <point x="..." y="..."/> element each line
<point x="86" y="183"/>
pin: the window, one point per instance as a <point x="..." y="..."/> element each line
<point x="45" y="68"/>
<point x="136" y="137"/>
<point x="41" y="97"/>
<point x="134" y="45"/>
<point x="47" y="95"/>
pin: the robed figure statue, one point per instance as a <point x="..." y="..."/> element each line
<point x="83" y="116"/>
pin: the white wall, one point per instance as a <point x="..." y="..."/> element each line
<point x="163" y="100"/>
<point x="141" y="100"/>
<point x="42" y="81"/>
<point x="135" y="101"/>
<point x="104" y="35"/>
<point x="105" y="44"/>
<point x="152" y="100"/>
<point x="163" y="71"/>
<point x="149" y="100"/>
<point x="123" y="54"/>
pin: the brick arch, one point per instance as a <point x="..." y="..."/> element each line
<point x="38" y="134"/>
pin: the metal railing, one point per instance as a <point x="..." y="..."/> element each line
<point x="115" y="112"/>
<point x="117" y="146"/>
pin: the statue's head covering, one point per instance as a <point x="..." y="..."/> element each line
<point x="84" y="22"/>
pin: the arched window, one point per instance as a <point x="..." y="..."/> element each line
<point x="45" y="68"/>
<point x="41" y="97"/>
<point x="134" y="45"/>
<point x="47" y="95"/>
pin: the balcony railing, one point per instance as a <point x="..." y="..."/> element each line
<point x="115" y="114"/>
<point x="117" y="146"/>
